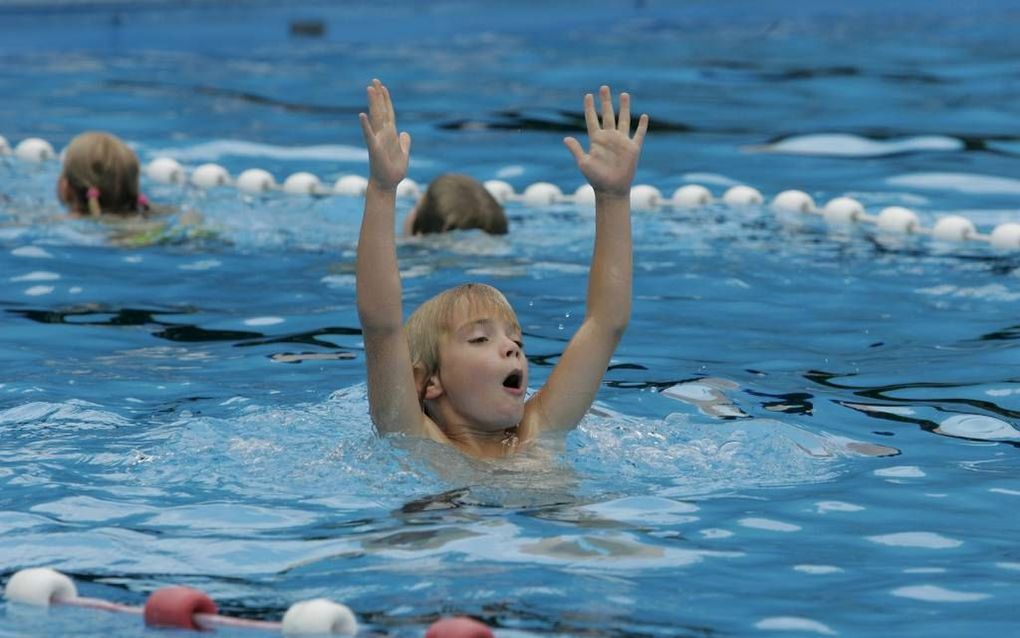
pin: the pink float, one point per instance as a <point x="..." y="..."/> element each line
<point x="459" y="627"/>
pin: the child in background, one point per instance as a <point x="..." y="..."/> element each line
<point x="457" y="374"/>
<point x="100" y="180"/>
<point x="455" y="202"/>
<point x="100" y="175"/>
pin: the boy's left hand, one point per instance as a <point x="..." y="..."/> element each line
<point x="388" y="152"/>
<point x="610" y="163"/>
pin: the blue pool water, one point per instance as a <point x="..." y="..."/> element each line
<point x="806" y="430"/>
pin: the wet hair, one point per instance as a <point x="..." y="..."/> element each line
<point x="458" y="202"/>
<point x="102" y="173"/>
<point x="433" y="320"/>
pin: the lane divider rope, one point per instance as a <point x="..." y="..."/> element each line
<point x="644" y="197"/>
<point x="188" y="608"/>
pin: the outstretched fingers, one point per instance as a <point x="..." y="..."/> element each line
<point x="608" y="117"/>
<point x="575" y="148"/>
<point x="366" y="129"/>
<point x="387" y="103"/>
<point x="379" y="106"/>
<point x="642" y="128"/>
<point x="624" y="122"/>
<point x="590" y="118"/>
<point x="373" y="107"/>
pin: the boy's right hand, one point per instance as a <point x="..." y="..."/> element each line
<point x="387" y="152"/>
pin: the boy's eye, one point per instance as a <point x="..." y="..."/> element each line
<point x="478" y="340"/>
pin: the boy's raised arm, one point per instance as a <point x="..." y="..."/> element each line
<point x="609" y="167"/>
<point x="392" y="397"/>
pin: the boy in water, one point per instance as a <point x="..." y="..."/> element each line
<point x="458" y="374"/>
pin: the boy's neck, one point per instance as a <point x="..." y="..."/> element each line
<point x="482" y="444"/>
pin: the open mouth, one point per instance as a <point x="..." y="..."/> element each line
<point x="513" y="380"/>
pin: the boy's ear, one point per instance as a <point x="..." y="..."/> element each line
<point x="429" y="386"/>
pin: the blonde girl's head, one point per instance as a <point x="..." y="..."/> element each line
<point x="100" y="175"/>
<point x="436" y="319"/>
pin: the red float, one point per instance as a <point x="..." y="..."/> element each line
<point x="176" y="607"/>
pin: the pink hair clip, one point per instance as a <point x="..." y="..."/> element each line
<point x="143" y="201"/>
<point x="92" y="193"/>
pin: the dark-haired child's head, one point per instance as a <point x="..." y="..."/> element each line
<point x="457" y="202"/>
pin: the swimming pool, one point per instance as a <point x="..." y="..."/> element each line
<point x="808" y="429"/>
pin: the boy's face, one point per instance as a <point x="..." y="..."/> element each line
<point x="483" y="371"/>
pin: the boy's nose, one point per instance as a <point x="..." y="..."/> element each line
<point x="513" y="350"/>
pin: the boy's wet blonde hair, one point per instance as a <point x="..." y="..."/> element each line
<point x="102" y="173"/>
<point x="458" y="202"/>
<point x="433" y="320"/>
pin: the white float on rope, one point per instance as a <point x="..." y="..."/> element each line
<point x="1006" y="236"/>
<point x="302" y="183"/>
<point x="255" y="180"/>
<point x="585" y="195"/>
<point x="953" y="228"/>
<point x="843" y="210"/>
<point x="165" y="170"/>
<point x="645" y="197"/>
<point x="351" y="185"/>
<point x="408" y="188"/>
<point x="501" y="191"/>
<point x="210" y="176"/>
<point x="542" y="194"/>
<point x="34" y="149"/>
<point x="742" y="195"/>
<point x="691" y="196"/>
<point x="319" y="616"/>
<point x="39" y="586"/>
<point x="897" y="219"/>
<point x="794" y="201"/>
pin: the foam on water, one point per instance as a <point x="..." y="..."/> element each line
<point x="38" y="275"/>
<point x="960" y="182"/>
<point x="263" y="321"/>
<point x="844" y="145"/>
<point x="924" y="540"/>
<point x="768" y="524"/>
<point x="936" y="594"/>
<point x="978" y="426"/>
<point x="34" y="252"/>
<point x="686" y="456"/>
<point x="794" y="623"/>
<point x="818" y="570"/>
<point x="218" y="149"/>
<point x="837" y="506"/>
<point x="901" y="471"/>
